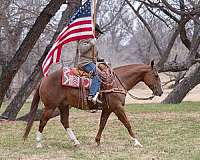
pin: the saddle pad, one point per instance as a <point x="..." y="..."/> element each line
<point x="69" y="78"/>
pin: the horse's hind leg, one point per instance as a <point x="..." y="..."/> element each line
<point x="64" y="118"/>
<point x="104" y="117"/>
<point x="119" y="111"/>
<point x="46" y="115"/>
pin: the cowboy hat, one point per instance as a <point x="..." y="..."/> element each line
<point x="97" y="28"/>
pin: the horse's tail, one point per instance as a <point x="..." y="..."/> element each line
<point x="32" y="113"/>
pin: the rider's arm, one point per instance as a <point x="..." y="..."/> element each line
<point x="86" y="45"/>
<point x="100" y="59"/>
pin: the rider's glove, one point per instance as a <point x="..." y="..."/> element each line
<point x="100" y="60"/>
<point x="93" y="41"/>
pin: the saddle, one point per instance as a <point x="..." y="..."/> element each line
<point x="106" y="75"/>
<point x="77" y="78"/>
<point x="80" y="72"/>
<point x="72" y="77"/>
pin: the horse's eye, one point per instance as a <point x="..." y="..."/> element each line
<point x="156" y="76"/>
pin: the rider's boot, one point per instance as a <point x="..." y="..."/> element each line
<point x="94" y="99"/>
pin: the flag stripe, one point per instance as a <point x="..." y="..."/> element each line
<point x="78" y="37"/>
<point x="81" y="21"/>
<point x="80" y="27"/>
<point x="45" y="69"/>
<point x="77" y="30"/>
<point x="58" y="54"/>
<point x="54" y="47"/>
<point x="72" y="37"/>
<point x="74" y="34"/>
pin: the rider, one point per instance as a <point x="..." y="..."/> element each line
<point x="87" y="62"/>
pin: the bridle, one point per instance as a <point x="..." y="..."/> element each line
<point x="131" y="95"/>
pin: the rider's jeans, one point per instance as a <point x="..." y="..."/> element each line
<point x="94" y="88"/>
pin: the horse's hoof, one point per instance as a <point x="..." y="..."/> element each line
<point x="98" y="145"/>
<point x="98" y="142"/>
<point x="76" y="143"/>
<point x="137" y="143"/>
<point x="39" y="145"/>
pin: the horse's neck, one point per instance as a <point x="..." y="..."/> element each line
<point x="131" y="75"/>
<point x="131" y="80"/>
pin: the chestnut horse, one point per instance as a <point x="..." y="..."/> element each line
<point x="54" y="95"/>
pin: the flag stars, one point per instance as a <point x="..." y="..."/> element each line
<point x="84" y="11"/>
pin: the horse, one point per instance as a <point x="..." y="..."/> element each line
<point x="54" y="95"/>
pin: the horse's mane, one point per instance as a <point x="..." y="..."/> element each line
<point x="130" y="67"/>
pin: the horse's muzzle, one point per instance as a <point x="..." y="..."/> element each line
<point x="157" y="91"/>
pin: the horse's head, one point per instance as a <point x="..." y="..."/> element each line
<point x="152" y="80"/>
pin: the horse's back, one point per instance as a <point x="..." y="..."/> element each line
<point x="50" y="87"/>
<point x="51" y="80"/>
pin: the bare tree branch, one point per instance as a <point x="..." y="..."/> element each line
<point x="180" y="12"/>
<point x="9" y="71"/>
<point x="105" y="27"/>
<point x="147" y="26"/>
<point x="159" y="17"/>
<point x="169" y="47"/>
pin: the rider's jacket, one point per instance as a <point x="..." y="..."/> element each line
<point x="87" y="51"/>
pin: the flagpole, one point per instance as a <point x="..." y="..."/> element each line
<point x="94" y="14"/>
<point x="76" y="60"/>
<point x="94" y="23"/>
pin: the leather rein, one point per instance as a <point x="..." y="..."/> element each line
<point x="124" y="91"/>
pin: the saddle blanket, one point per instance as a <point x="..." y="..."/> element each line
<point x="69" y="78"/>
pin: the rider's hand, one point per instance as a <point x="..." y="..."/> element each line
<point x="100" y="60"/>
<point x="108" y="63"/>
<point x="93" y="41"/>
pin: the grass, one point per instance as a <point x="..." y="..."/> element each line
<point x="182" y="107"/>
<point x="168" y="132"/>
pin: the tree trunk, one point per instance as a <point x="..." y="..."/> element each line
<point x="38" y="115"/>
<point x="187" y="84"/>
<point x="24" y="92"/>
<point x="9" y="71"/>
<point x="14" y="107"/>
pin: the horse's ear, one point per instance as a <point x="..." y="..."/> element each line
<point x="152" y="63"/>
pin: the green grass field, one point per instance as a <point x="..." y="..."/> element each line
<point x="167" y="132"/>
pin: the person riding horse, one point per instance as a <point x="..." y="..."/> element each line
<point x="87" y="62"/>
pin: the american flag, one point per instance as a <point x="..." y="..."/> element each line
<point x="79" y="27"/>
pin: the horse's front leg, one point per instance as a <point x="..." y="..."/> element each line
<point x="119" y="111"/>
<point x="46" y="115"/>
<point x="104" y="117"/>
<point x="64" y="118"/>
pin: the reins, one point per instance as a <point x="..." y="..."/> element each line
<point x="139" y="98"/>
<point x="106" y="79"/>
<point x="131" y="95"/>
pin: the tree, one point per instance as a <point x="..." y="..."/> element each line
<point x="187" y="84"/>
<point x="180" y="13"/>
<point x="33" y="80"/>
<point x="8" y="71"/>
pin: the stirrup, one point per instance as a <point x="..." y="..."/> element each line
<point x="89" y="98"/>
<point x="94" y="99"/>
